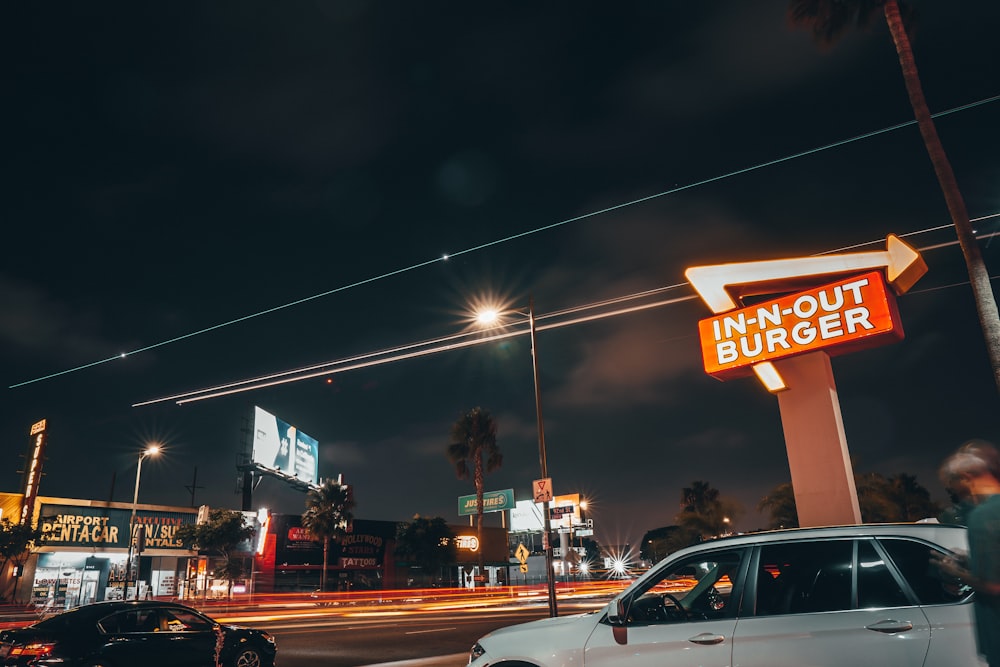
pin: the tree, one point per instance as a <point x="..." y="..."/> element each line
<point x="16" y="540"/>
<point x="913" y="500"/>
<point x="704" y="514"/>
<point x="657" y="543"/>
<point x="896" y="498"/>
<point x="876" y="503"/>
<point x="474" y="449"/>
<point x="780" y="504"/>
<point x="829" y="20"/>
<point x="328" y="513"/>
<point x="222" y="535"/>
<point x="426" y="543"/>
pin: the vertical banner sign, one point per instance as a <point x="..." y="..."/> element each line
<point x="33" y="471"/>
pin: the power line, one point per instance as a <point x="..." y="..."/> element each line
<point x="470" y="338"/>
<point x="505" y="239"/>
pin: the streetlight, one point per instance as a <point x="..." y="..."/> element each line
<point x="152" y="450"/>
<point x="487" y="316"/>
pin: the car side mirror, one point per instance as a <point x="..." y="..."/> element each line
<point x="617" y="617"/>
<point x="616" y="612"/>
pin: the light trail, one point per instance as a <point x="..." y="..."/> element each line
<point x="536" y="230"/>
<point x="376" y="358"/>
<point x="424" y="632"/>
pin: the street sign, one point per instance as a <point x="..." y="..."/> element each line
<point x="542" y="489"/>
<point x="524" y="567"/>
<point x="522" y="553"/>
<point x="584" y="532"/>
<point x="560" y="512"/>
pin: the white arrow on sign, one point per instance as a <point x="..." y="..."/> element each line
<point x="904" y="266"/>
<point x="722" y="285"/>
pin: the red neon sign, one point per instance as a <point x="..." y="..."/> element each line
<point x="851" y="314"/>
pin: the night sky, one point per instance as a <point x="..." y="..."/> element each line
<point x="170" y="167"/>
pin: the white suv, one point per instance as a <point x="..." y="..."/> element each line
<point x="849" y="595"/>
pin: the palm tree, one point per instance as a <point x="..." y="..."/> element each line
<point x="474" y="447"/>
<point x="698" y="497"/>
<point x="704" y="513"/>
<point x="780" y="504"/>
<point x="327" y="515"/>
<point x="828" y="20"/>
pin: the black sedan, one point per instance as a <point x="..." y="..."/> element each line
<point x="134" y="634"/>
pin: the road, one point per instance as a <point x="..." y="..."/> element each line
<point x="427" y="628"/>
<point x="369" y="636"/>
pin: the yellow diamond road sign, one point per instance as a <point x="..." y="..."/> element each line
<point x="522" y="553"/>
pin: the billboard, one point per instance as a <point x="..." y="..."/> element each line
<point x="564" y="512"/>
<point x="280" y="447"/>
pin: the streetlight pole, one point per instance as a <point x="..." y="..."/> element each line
<point x="149" y="451"/>
<point x="488" y="316"/>
<point x="547" y="524"/>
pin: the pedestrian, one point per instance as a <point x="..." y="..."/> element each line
<point x="973" y="475"/>
<point x="961" y="501"/>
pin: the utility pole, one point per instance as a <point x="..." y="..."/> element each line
<point x="194" y="486"/>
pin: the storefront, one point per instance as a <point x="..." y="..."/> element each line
<point x="291" y="560"/>
<point x="496" y="557"/>
<point x="82" y="557"/>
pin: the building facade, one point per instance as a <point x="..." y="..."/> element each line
<point x="83" y="556"/>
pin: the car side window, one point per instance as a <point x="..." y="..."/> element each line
<point x="929" y="584"/>
<point x="130" y="621"/>
<point x="877" y="587"/>
<point x="804" y="577"/>
<point x="699" y="587"/>
<point x="180" y="620"/>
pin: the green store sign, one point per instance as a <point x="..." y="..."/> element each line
<point x="493" y="501"/>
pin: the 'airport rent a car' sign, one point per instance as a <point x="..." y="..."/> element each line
<point x="851" y="314"/>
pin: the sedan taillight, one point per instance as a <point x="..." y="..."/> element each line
<point x="34" y="649"/>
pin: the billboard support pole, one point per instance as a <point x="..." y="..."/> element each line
<point x="247" y="491"/>
<point x="818" y="458"/>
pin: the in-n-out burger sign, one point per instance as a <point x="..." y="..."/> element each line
<point x="850" y="314"/>
<point x="856" y="312"/>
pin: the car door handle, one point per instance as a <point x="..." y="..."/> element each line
<point x="707" y="639"/>
<point x="890" y="626"/>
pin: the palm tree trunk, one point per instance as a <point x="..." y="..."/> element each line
<point x="979" y="277"/>
<point x="322" y="576"/>
<point x="478" y="478"/>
